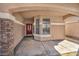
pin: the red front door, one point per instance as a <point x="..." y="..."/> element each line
<point x="28" y="29"/>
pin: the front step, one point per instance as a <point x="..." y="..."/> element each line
<point x="67" y="48"/>
<point x="69" y="45"/>
<point x="61" y="49"/>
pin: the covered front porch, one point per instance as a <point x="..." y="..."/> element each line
<point x="39" y="29"/>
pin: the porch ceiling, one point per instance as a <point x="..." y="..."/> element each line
<point x="43" y="12"/>
<point x="29" y="10"/>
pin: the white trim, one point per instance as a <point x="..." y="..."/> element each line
<point x="57" y="23"/>
<point x="68" y="22"/>
<point x="52" y="23"/>
<point x="45" y="35"/>
<point x="5" y="16"/>
<point x="18" y="22"/>
<point x="42" y="35"/>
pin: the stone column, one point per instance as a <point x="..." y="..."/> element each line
<point x="6" y="36"/>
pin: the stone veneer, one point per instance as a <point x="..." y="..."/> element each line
<point x="6" y="37"/>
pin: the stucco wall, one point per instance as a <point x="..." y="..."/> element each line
<point x="72" y="26"/>
<point x="18" y="30"/>
<point x="57" y="31"/>
<point x="18" y="33"/>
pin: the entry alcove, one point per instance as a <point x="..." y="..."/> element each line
<point x="42" y="29"/>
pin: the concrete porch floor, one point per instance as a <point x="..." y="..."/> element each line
<point x="31" y="47"/>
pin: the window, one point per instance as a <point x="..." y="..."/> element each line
<point x="46" y="26"/>
<point x="37" y="26"/>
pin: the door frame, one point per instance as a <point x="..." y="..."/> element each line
<point x="25" y="30"/>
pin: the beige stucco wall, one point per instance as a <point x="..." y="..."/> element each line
<point x="72" y="29"/>
<point x="57" y="31"/>
<point x="18" y="33"/>
<point x="18" y="30"/>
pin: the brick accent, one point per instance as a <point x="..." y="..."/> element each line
<point x="6" y="36"/>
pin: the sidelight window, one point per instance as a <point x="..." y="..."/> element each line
<point x="37" y="26"/>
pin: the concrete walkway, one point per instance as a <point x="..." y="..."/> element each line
<point x="31" y="47"/>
